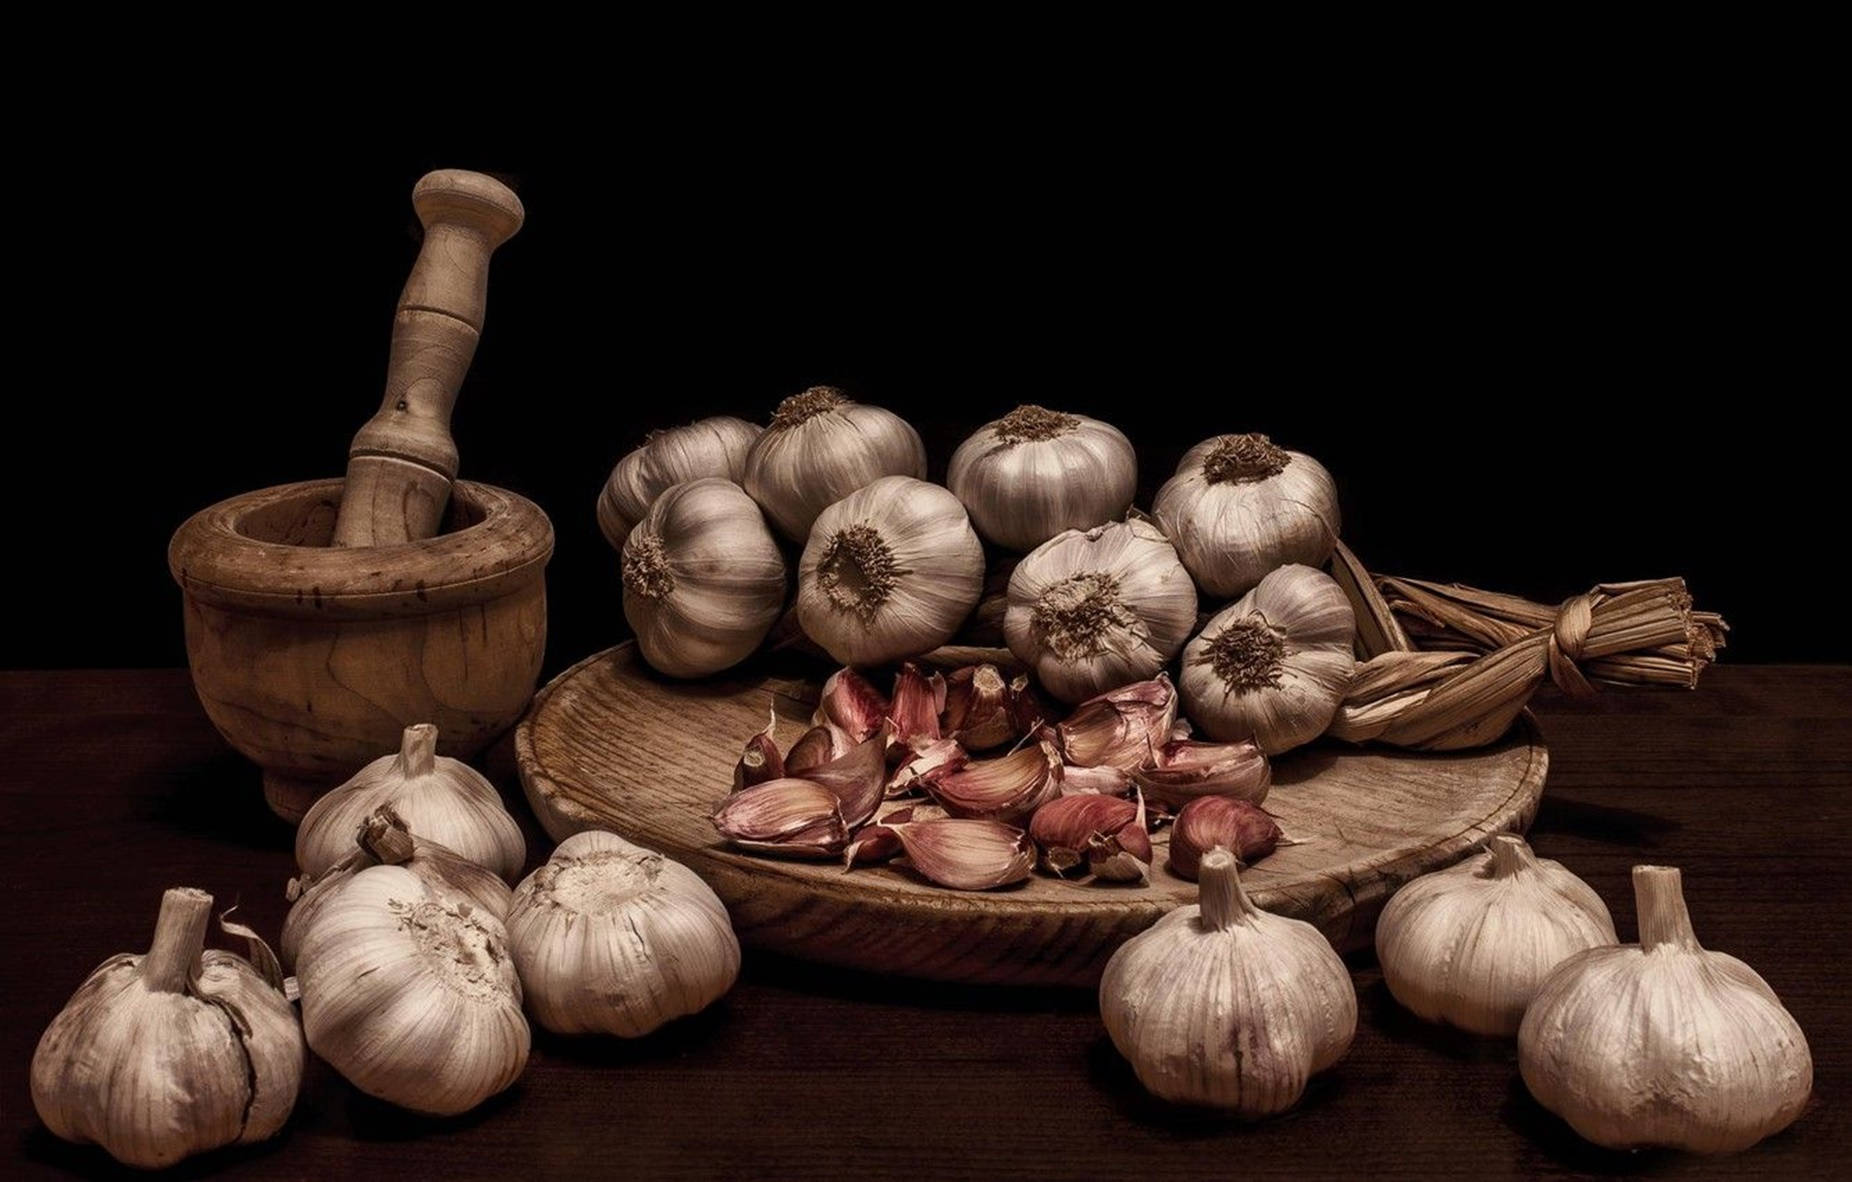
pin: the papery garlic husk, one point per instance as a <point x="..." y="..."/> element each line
<point x="708" y="447"/>
<point x="917" y="702"/>
<point x="704" y="580"/>
<point x="1101" y="835"/>
<point x="789" y="817"/>
<point x="1184" y="769"/>
<point x="1007" y="788"/>
<point x="384" y="840"/>
<point x="440" y="799"/>
<point x="409" y="992"/>
<point x="1090" y="612"/>
<point x="1469" y="946"/>
<point x="760" y="759"/>
<point x="938" y="757"/>
<point x="1034" y="473"/>
<point x="612" y="938"/>
<point x="820" y="448"/>
<point x="170" y="1053"/>
<point x="890" y="572"/>
<point x="965" y="854"/>
<point x="1225" y="1005"/>
<point x="979" y="708"/>
<point x="1120" y="728"/>
<point x="1221" y="822"/>
<point x="1095" y="781"/>
<point x="1274" y="666"/>
<point x="852" y="705"/>
<point x="1663" y="1043"/>
<point x="1241" y="506"/>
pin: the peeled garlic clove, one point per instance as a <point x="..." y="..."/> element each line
<point x="818" y="746"/>
<point x="1095" y="781"/>
<point x="1120" y="728"/>
<point x="967" y="855"/>
<point x="760" y="760"/>
<point x="611" y="938"/>
<point x="163" y="1055"/>
<point x="1240" y="506"/>
<point x="978" y="708"/>
<point x="1225" y="1005"/>
<point x="1035" y="473"/>
<point x="858" y="779"/>
<point x="1663" y="1043"/>
<point x="1102" y="835"/>
<point x="1183" y="770"/>
<point x="795" y="818"/>
<point x="852" y="705"/>
<point x="820" y="448"/>
<point x="918" y="699"/>
<point x="939" y="757"/>
<point x="1211" y="822"/>
<point x="1003" y="789"/>
<point x="440" y="799"/>
<point x="1471" y="945"/>
<point x="710" y="447"/>
<point x="408" y="991"/>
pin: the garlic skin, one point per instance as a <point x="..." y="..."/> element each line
<point x="1224" y="1005"/>
<point x="1240" y="506"/>
<point x="890" y="572"/>
<point x="1275" y="665"/>
<point x="708" y="447"/>
<point x="820" y="448"/>
<point x="408" y="991"/>
<point x="439" y="798"/>
<point x="703" y="579"/>
<point x="1035" y="473"/>
<point x="1662" y="1043"/>
<point x="1469" y="946"/>
<point x="163" y="1055"/>
<point x="611" y="938"/>
<point x="1089" y="612"/>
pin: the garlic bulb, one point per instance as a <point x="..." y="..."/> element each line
<point x="408" y="991"/>
<point x="160" y="1056"/>
<point x="709" y="447"/>
<point x="1034" y="473"/>
<point x="1663" y="1043"/>
<point x="890" y="571"/>
<point x="1240" y="506"/>
<point x="703" y="579"/>
<point x="820" y="448"/>
<point x="439" y="798"/>
<point x="1274" y="666"/>
<point x="1470" y="945"/>
<point x="1089" y="612"/>
<point x="1225" y="1005"/>
<point x="611" y="938"/>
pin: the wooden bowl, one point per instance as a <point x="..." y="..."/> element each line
<point x="311" y="659"/>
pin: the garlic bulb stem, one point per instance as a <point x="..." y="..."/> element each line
<point x="179" y="938"/>
<point x="1664" y="918"/>
<point x="1510" y="855"/>
<point x="1224" y="900"/>
<point x="418" y="750"/>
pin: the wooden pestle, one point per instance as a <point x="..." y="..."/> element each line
<point x="401" y="463"/>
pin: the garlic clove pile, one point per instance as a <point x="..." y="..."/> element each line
<point x="1035" y="473"/>
<point x="1663" y="1043"/>
<point x="1240" y="506"/>
<point x="440" y="799"/>
<point x="1469" y="946"/>
<point x="708" y="447"/>
<point x="820" y="448"/>
<point x="611" y="938"/>
<point x="164" y="1055"/>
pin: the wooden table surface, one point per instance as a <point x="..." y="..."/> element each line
<point x="115" y="786"/>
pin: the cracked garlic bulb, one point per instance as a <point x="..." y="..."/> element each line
<point x="1470" y="945"/>
<point x="1095" y="610"/>
<point x="820" y="448"/>
<point x="890" y="572"/>
<point x="1274" y="666"/>
<point x="1240" y="506"/>
<point x="708" y="447"/>
<point x="1036" y="472"/>
<point x="1663" y="1043"/>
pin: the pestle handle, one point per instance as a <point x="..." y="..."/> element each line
<point x="401" y="463"/>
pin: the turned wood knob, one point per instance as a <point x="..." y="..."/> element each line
<point x="401" y="463"/>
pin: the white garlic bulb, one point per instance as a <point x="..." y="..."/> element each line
<point x="703" y="579"/>
<point x="1035" y="473"/>
<point x="1662" y="1043"/>
<point x="890" y="572"/>
<point x="709" y="447"/>
<point x="820" y="448"/>
<point x="1470" y="945"/>
<point x="1275" y="665"/>
<point x="1225" y="1005"/>
<point x="1092" y="611"/>
<point x="439" y="798"/>
<point x="1240" y="505"/>
<point x="160" y="1056"/>
<point x="611" y="938"/>
<point x="408" y="991"/>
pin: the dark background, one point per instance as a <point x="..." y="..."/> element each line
<point x="1538" y="349"/>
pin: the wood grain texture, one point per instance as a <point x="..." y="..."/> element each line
<point x="610" y="744"/>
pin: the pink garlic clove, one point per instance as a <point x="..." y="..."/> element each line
<point x="760" y="760"/>
<point x="1120" y="729"/>
<point x="978" y="708"/>
<point x="851" y="705"/>
<point x="967" y="855"/>
<point x="1186" y="769"/>
<point x="794" y="818"/>
<point x="918" y="699"/>
<point x="1007" y="788"/>
<point x="818" y="746"/>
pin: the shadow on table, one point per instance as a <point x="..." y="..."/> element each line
<point x="1557" y="1141"/>
<point x="222" y="798"/>
<point x="1378" y="1009"/>
<point x="783" y="972"/>
<point x="1597" y="822"/>
<point x="90" y="1161"/>
<point x="680" y="1037"/>
<point x="1114" y="1078"/>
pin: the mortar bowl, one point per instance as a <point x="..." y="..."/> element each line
<point x="310" y="659"/>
